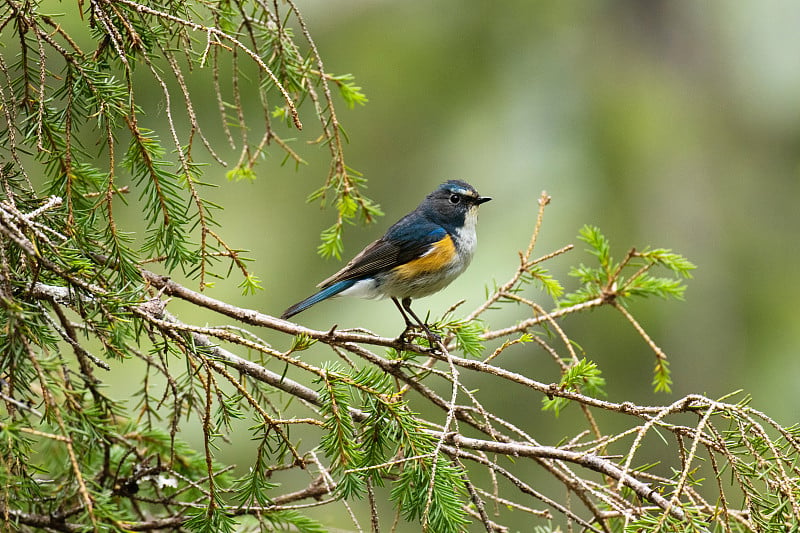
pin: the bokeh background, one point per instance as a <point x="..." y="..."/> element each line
<point x="666" y="123"/>
<point x="669" y="123"/>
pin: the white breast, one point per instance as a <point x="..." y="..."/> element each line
<point x="466" y="238"/>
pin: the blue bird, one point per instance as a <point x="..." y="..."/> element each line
<point x="418" y="256"/>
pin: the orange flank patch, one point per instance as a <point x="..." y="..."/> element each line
<point x="437" y="258"/>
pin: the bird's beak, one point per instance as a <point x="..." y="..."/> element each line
<point x="482" y="200"/>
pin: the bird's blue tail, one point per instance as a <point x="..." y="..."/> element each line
<point x="325" y="293"/>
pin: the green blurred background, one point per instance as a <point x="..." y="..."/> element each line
<point x="666" y="123"/>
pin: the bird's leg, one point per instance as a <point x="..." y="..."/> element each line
<point x="433" y="338"/>
<point x="409" y="324"/>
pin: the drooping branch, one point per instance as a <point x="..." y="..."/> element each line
<point x="358" y="406"/>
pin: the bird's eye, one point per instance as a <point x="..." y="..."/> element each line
<point x="454" y="198"/>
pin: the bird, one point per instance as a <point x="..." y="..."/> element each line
<point x="419" y="255"/>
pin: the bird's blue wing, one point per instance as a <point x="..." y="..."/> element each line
<point x="407" y="240"/>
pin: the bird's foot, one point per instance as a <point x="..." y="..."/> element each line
<point x="434" y="339"/>
<point x="404" y="337"/>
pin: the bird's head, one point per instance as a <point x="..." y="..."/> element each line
<point x="453" y="203"/>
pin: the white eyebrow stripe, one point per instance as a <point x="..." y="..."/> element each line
<point x="464" y="192"/>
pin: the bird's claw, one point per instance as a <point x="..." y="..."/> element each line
<point x="433" y="338"/>
<point x="403" y="338"/>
